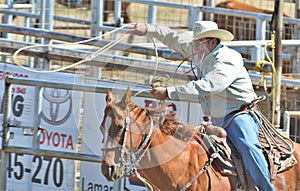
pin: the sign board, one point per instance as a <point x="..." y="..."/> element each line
<point x="60" y="119"/>
<point x="91" y="177"/>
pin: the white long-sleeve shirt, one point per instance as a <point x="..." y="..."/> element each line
<point x="223" y="83"/>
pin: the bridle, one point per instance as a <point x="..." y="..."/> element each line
<point x="127" y="161"/>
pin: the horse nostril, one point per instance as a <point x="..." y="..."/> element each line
<point x="111" y="171"/>
<point x="108" y="171"/>
<point x="114" y="172"/>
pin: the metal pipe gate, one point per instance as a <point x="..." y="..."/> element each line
<point x="35" y="150"/>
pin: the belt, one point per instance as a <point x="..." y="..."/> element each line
<point x="244" y="107"/>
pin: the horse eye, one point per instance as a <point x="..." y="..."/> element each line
<point x="119" y="127"/>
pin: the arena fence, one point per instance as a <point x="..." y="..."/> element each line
<point x="56" y="23"/>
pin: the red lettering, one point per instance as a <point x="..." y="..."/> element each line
<point x="150" y="104"/>
<point x="21" y="90"/>
<point x="56" y="139"/>
<point x="70" y="143"/>
<point x="18" y="90"/>
<point x="42" y="137"/>
<point x="48" y="137"/>
<point x="173" y="106"/>
<point x="3" y="74"/>
<point x="63" y="139"/>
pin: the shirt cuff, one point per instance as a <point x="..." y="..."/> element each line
<point x="150" y="29"/>
<point x="171" y="92"/>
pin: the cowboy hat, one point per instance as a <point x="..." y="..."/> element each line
<point x="209" y="29"/>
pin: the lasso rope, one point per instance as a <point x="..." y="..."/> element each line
<point x="154" y="78"/>
<point x="87" y="59"/>
<point x="260" y="65"/>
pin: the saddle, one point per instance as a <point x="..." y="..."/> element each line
<point x="214" y="141"/>
<point x="226" y="160"/>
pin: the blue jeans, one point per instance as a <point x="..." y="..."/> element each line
<point x="243" y="133"/>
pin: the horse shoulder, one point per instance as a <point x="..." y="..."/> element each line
<point x="197" y="153"/>
<point x="198" y="157"/>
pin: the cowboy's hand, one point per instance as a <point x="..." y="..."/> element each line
<point x="159" y="93"/>
<point x="139" y="29"/>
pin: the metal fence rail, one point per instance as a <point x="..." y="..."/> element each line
<point x="287" y="123"/>
<point x="35" y="148"/>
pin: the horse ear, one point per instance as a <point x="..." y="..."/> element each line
<point x="128" y="95"/>
<point x="109" y="96"/>
<point x="126" y="100"/>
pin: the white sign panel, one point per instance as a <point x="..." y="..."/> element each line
<point x="91" y="177"/>
<point x="59" y="117"/>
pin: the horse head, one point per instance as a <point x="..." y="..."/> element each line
<point x="123" y="128"/>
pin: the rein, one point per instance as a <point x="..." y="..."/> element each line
<point x="203" y="169"/>
<point x="146" y="141"/>
<point x="147" y="137"/>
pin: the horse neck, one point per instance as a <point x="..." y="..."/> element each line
<point x="154" y="120"/>
<point x="162" y="150"/>
<point x="174" y="161"/>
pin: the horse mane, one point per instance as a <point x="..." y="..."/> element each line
<point x="170" y="125"/>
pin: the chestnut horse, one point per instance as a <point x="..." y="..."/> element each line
<point x="164" y="148"/>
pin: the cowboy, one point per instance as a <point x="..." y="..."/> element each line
<point x="222" y="86"/>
